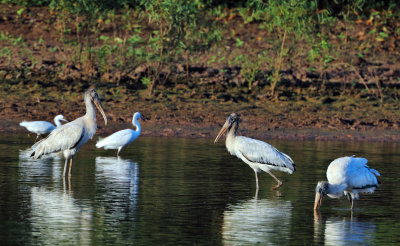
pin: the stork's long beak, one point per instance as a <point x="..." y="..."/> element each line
<point x="63" y="119"/>
<point x="222" y="131"/>
<point x="318" y="201"/>
<point x="100" y="108"/>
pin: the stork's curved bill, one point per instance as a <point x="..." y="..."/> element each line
<point x="222" y="131"/>
<point x="99" y="106"/>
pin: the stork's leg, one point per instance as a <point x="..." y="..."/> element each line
<point x="69" y="184"/>
<point x="277" y="180"/>
<point x="70" y="167"/>
<point x="351" y="200"/>
<point x="255" y="171"/>
<point x="65" y="166"/>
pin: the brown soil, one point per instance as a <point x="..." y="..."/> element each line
<point x="304" y="108"/>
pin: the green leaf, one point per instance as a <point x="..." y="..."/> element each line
<point x="383" y="35"/>
<point x="239" y="42"/>
<point x="20" y="11"/>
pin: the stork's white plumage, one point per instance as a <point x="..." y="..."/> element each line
<point x="257" y="154"/>
<point x="349" y="176"/>
<point x="70" y="137"/>
<point x="121" y="138"/>
<point x="42" y="127"/>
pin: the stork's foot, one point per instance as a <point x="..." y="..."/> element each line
<point x="276" y="186"/>
<point x="277" y="193"/>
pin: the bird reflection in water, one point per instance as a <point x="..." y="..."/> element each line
<point x="347" y="230"/>
<point x="257" y="221"/>
<point x="42" y="169"/>
<point x="120" y="179"/>
<point x="38" y="170"/>
<point x="58" y="219"/>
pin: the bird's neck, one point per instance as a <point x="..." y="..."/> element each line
<point x="136" y="124"/>
<point x="58" y="122"/>
<point x="90" y="110"/>
<point x="90" y="121"/>
<point x="336" y="190"/>
<point x="230" y="137"/>
<point x="232" y="131"/>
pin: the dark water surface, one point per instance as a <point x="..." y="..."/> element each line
<point x="165" y="191"/>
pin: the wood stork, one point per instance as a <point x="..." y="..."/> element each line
<point x="257" y="154"/>
<point x="70" y="137"/>
<point x="349" y="176"/>
<point x="121" y="138"/>
<point x="42" y="127"/>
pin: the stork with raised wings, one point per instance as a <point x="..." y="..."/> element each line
<point x="70" y="137"/>
<point x="349" y="176"/>
<point x="257" y="154"/>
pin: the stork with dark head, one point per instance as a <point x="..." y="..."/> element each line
<point x="69" y="138"/>
<point x="347" y="176"/>
<point x="257" y="154"/>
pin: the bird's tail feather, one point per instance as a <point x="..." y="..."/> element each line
<point x="375" y="172"/>
<point x="23" y="123"/>
<point x="99" y="143"/>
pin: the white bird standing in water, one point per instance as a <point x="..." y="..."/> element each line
<point x="121" y="138"/>
<point x="70" y="137"/>
<point x="257" y="154"/>
<point x="42" y="127"/>
<point x="349" y="176"/>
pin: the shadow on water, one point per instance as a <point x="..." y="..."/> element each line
<point x="189" y="191"/>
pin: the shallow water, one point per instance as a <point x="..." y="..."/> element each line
<point x="165" y="191"/>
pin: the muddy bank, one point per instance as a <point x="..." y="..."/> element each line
<point x="171" y="114"/>
<point x="355" y="97"/>
<point x="150" y="129"/>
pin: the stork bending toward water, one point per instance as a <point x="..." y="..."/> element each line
<point x="349" y="176"/>
<point x="42" y="127"/>
<point x="70" y="137"/>
<point x="257" y="154"/>
<point x="121" y="138"/>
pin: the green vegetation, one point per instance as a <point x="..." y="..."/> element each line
<point x="154" y="44"/>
